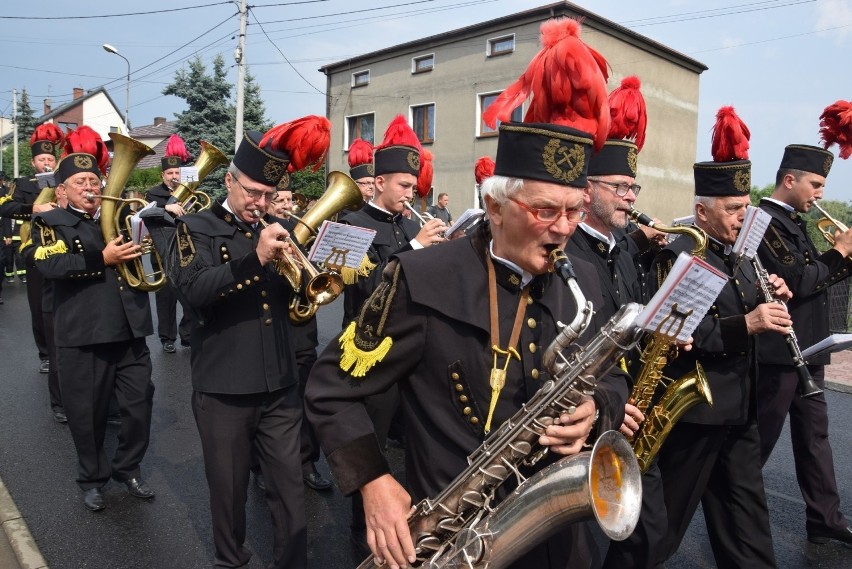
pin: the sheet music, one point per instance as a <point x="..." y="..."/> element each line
<point x="138" y="230"/>
<point x="689" y="290"/>
<point x="341" y="245"/>
<point x="45" y="180"/>
<point x="188" y="174"/>
<point x="465" y="218"/>
<point x="834" y="343"/>
<point x="755" y="223"/>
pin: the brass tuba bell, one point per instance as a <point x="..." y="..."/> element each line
<point x="187" y="194"/>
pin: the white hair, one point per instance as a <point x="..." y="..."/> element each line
<point x="500" y="188"/>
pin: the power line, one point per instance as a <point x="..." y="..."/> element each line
<point x="293" y="67"/>
<point x="165" y="11"/>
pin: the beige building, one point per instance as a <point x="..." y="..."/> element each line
<point x="442" y="84"/>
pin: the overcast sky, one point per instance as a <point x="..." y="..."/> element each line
<point x="778" y="62"/>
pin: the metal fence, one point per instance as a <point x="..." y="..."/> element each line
<point x="839" y="314"/>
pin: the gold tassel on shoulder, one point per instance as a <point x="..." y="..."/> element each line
<point x="5" y="199"/>
<point x="351" y="276"/>
<point x="356" y="359"/>
<point x="25" y="245"/>
<point x="46" y="251"/>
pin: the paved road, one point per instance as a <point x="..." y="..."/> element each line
<point x="37" y="464"/>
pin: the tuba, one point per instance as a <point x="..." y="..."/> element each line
<point x="341" y="192"/>
<point x="127" y="153"/>
<point x="680" y="394"/>
<point x="187" y="195"/>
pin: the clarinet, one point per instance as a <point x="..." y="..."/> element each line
<point x="807" y="385"/>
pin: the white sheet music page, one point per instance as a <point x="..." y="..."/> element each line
<point x="188" y="174"/>
<point x="755" y="223"/>
<point x="341" y="245"/>
<point x="684" y="298"/>
<point x="137" y="226"/>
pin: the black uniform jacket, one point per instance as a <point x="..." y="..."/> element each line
<point x="788" y="252"/>
<point x="242" y="345"/>
<point x="433" y="306"/>
<point x="19" y="204"/>
<point x="393" y="235"/>
<point x="92" y="303"/>
<point x="721" y="342"/>
<point x="159" y="194"/>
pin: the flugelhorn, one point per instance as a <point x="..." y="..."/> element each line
<point x="321" y="287"/>
<point x="341" y="193"/>
<point x="127" y="153"/>
<point x="423" y="218"/>
<point x="826" y="222"/>
<point x="187" y="194"/>
<point x="698" y="235"/>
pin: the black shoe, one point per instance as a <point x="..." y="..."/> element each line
<point x="114" y="420"/>
<point x="93" y="499"/>
<point x="185" y="343"/>
<point x="59" y="416"/>
<point x="137" y="488"/>
<point x="169" y="347"/>
<point x="10" y="279"/>
<point x="843" y="535"/>
<point x="44" y="366"/>
<point x="315" y="480"/>
<point x="24" y="280"/>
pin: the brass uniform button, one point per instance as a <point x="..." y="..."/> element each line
<point x="454" y="375"/>
<point x="240" y="286"/>
<point x="459" y="387"/>
<point x="532" y="348"/>
<point x="467" y="410"/>
<point x="463" y="398"/>
<point x="474" y="420"/>
<point x="531" y="322"/>
<point x="265" y="306"/>
<point x="534" y="373"/>
<point x="263" y="293"/>
<point x="268" y="321"/>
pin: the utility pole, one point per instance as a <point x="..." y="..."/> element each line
<point x="15" y="133"/>
<point x="240" y="57"/>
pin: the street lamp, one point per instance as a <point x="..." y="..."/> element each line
<point x="111" y="49"/>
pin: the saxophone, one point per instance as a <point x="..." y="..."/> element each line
<point x="442" y="528"/>
<point x="681" y="394"/>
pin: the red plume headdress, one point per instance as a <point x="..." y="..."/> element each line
<point x="400" y="150"/>
<point x="360" y="159"/>
<point x="46" y="138"/>
<point x="567" y="80"/>
<point x="424" y="179"/>
<point x="627" y="112"/>
<point x="730" y="172"/>
<point x="175" y="153"/>
<point x="85" y="140"/>
<point x="730" y="137"/>
<point x="835" y="127"/>
<point x="484" y="169"/>
<point x="306" y="140"/>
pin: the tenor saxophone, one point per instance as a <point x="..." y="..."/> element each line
<point x="680" y="394"/>
<point x="441" y="526"/>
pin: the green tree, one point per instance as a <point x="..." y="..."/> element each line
<point x="25" y="159"/>
<point x="26" y="118"/>
<point x="759" y="193"/>
<point x="308" y="182"/>
<point x="140" y="180"/>
<point x="840" y="211"/>
<point x="209" y="115"/>
<point x="254" y="111"/>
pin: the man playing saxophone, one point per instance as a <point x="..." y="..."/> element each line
<point x="100" y="326"/>
<point x="462" y="329"/>
<point x="788" y="251"/>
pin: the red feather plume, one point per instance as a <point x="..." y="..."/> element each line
<point x="424" y="179"/>
<point x="484" y="169"/>
<point x="835" y="127"/>
<point x="176" y="147"/>
<point x="627" y="111"/>
<point x="567" y="79"/>
<point x="730" y="137"/>
<point x="399" y="133"/>
<point x="48" y="131"/>
<point x="85" y="139"/>
<point x="360" y="152"/>
<point x="306" y="140"/>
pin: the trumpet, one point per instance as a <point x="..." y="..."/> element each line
<point x="826" y="223"/>
<point x="423" y="218"/>
<point x="321" y="287"/>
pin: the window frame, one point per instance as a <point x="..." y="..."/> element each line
<point x="347" y="134"/>
<point x="363" y="73"/>
<point x="434" y="106"/>
<point x="416" y="59"/>
<point x="489" y="45"/>
<point x="480" y="130"/>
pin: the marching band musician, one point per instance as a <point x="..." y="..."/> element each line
<point x="712" y="455"/>
<point x="788" y="251"/>
<point x="100" y="325"/>
<point x="19" y="205"/>
<point x="174" y="156"/>
<point x="426" y="329"/>
<point x="225" y="271"/>
<point x="361" y="169"/>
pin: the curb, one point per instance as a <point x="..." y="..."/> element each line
<point x="18" y="534"/>
<point x="836" y="386"/>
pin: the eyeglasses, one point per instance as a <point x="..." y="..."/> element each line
<point x="370" y="184"/>
<point x="84" y="184"/>
<point x="255" y="194"/>
<point x="621" y="188"/>
<point x="548" y="215"/>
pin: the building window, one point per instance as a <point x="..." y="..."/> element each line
<point x="423" y="64"/>
<point x="500" y="46"/>
<point x="485" y="101"/>
<point x="67" y="126"/>
<point x="423" y="122"/>
<point x="361" y="79"/>
<point x="360" y="126"/>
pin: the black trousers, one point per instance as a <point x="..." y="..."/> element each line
<point x="718" y="466"/>
<point x="53" y="387"/>
<point x="167" y="326"/>
<point x="88" y="377"/>
<point x="34" y="297"/>
<point x="637" y="551"/>
<point x="814" y="460"/>
<point x="231" y="427"/>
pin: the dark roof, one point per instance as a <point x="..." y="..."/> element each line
<point x="152" y="159"/>
<point x="163" y="129"/>
<point x="61" y="109"/>
<point x="590" y="19"/>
